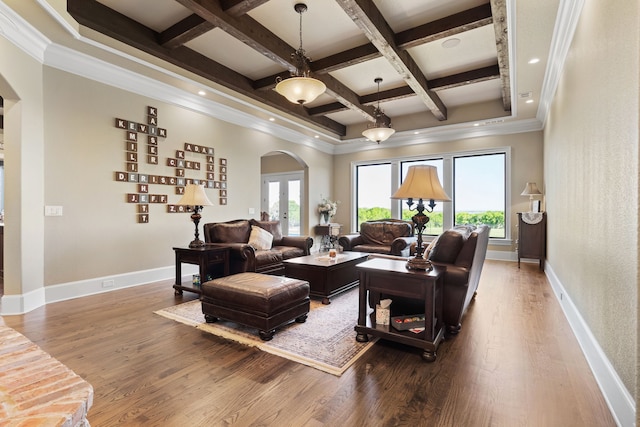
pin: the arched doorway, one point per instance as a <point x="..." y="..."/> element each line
<point x="283" y="191"/>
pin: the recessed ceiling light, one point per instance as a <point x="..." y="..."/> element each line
<point x="317" y="136"/>
<point x="272" y="119"/>
<point x="416" y="133"/>
<point x="534" y="60"/>
<point x="476" y="124"/>
<point x="202" y="93"/>
<point x="449" y="43"/>
<point x="529" y="101"/>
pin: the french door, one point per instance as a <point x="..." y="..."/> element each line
<point x="281" y="199"/>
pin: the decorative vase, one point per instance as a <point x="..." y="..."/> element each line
<point x="324" y="218"/>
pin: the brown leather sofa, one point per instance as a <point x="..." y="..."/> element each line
<point x="462" y="251"/>
<point x="383" y="236"/>
<point x="244" y="258"/>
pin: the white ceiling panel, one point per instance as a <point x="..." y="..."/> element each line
<point x="234" y="54"/>
<point x="477" y="49"/>
<point x="155" y="14"/>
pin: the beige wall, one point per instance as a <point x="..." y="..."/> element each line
<point x="98" y="234"/>
<point x="21" y="87"/>
<point x="526" y="165"/>
<point x="591" y="175"/>
<point x="279" y="163"/>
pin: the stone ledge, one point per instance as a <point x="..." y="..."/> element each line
<point x="36" y="389"/>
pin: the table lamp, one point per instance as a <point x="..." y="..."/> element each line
<point x="421" y="183"/>
<point x="195" y="197"/>
<point x="531" y="190"/>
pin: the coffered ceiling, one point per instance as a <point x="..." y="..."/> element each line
<point x="461" y="63"/>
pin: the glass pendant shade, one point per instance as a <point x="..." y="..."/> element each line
<point x="381" y="130"/>
<point x="300" y="90"/>
<point x="378" y="134"/>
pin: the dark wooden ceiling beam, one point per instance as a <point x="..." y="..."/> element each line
<point x="499" y="10"/>
<point x="368" y="18"/>
<point x="445" y="27"/>
<point x="181" y="32"/>
<point x="328" y="64"/>
<point x="344" y="59"/>
<point x="371" y="99"/>
<point x="240" y="7"/>
<point x="100" y="18"/>
<point x="254" y="35"/>
<point x="245" y="29"/>
<point x="194" y="26"/>
<point x="469" y="77"/>
<point x="345" y="96"/>
<point x="449" y="82"/>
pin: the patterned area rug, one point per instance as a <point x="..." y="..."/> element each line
<point x="326" y="341"/>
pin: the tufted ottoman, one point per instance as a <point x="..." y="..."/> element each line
<point x="258" y="300"/>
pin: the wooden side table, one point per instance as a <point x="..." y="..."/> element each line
<point x="206" y="257"/>
<point x="532" y="240"/>
<point x="329" y="233"/>
<point x="391" y="277"/>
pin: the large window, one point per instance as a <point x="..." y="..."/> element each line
<point x="373" y="192"/>
<point x="479" y="191"/>
<point x="477" y="183"/>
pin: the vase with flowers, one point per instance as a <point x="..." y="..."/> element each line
<point x="327" y="209"/>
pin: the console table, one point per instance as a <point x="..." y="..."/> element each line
<point x="213" y="260"/>
<point x="532" y="239"/>
<point x="329" y="233"/>
<point x="391" y="277"/>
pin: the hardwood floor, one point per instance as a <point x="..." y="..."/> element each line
<point x="514" y="363"/>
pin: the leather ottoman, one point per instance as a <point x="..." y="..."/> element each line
<point x="257" y="300"/>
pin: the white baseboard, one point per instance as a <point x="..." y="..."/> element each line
<point x="617" y="396"/>
<point x="502" y="255"/>
<point x="23" y="303"/>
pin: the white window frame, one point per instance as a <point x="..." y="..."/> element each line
<point x="447" y="184"/>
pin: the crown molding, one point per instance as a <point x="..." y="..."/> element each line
<point x="30" y="40"/>
<point x="565" y="27"/>
<point x="22" y="34"/>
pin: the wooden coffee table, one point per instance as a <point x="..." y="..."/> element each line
<point x="326" y="277"/>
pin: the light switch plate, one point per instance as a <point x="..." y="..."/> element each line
<point x="53" y="211"/>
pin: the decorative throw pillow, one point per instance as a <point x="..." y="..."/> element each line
<point x="260" y="239"/>
<point x="447" y="247"/>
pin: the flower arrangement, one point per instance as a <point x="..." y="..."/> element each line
<point x="328" y="207"/>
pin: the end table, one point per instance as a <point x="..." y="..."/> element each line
<point x="391" y="277"/>
<point x="207" y="256"/>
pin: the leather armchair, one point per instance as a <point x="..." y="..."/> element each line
<point x="383" y="236"/>
<point x="461" y="251"/>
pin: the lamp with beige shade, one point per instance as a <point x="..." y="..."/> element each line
<point x="421" y="183"/>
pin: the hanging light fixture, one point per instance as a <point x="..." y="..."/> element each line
<point x="300" y="88"/>
<point x="381" y="130"/>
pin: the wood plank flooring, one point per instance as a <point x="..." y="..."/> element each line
<point x="514" y="363"/>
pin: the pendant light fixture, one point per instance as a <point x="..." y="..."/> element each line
<point x="300" y="88"/>
<point x="381" y="130"/>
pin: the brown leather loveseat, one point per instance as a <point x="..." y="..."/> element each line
<point x="382" y="236"/>
<point x="462" y="251"/>
<point x="244" y="257"/>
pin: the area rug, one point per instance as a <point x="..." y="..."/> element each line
<point x="326" y="341"/>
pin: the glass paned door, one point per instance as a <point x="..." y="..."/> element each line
<point x="281" y="199"/>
